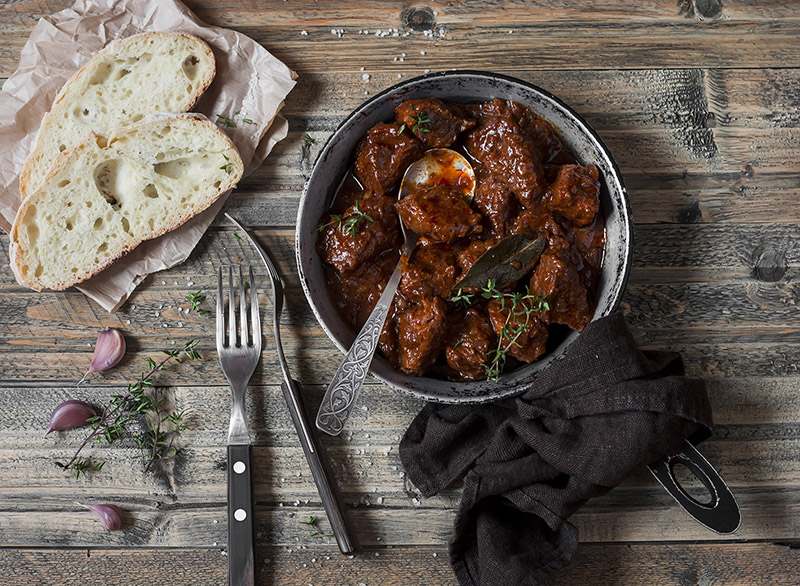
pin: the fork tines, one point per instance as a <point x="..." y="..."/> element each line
<point x="244" y="327"/>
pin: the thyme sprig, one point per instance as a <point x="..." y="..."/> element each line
<point x="195" y="299"/>
<point x="313" y="523"/>
<point x="351" y="223"/>
<point x="230" y="121"/>
<point x="142" y="415"/>
<point x="521" y="306"/>
<point x="420" y="122"/>
<point x="228" y="166"/>
<point x="462" y="298"/>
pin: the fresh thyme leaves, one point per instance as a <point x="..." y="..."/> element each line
<point x="421" y="122"/>
<point x="226" y="121"/>
<point x="313" y="522"/>
<point x="402" y="129"/>
<point x="245" y="119"/>
<point x="141" y="414"/>
<point x="308" y="140"/>
<point x="230" y="121"/>
<point x="228" y="166"/>
<point x="464" y="299"/>
<point x="83" y="467"/>
<point x="195" y="299"/>
<point x="236" y="235"/>
<point x="350" y="224"/>
<point x="522" y="307"/>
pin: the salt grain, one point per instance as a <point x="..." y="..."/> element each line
<point x="365" y="76"/>
<point x="303" y="33"/>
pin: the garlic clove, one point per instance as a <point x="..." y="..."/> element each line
<point x="110" y="516"/>
<point x="71" y="414"/>
<point x="109" y="349"/>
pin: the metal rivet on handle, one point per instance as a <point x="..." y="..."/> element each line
<point x="240" y="514"/>
<point x="239" y="467"/>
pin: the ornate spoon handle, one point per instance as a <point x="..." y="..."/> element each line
<point x="341" y="393"/>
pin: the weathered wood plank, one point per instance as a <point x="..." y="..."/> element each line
<point x="737" y="282"/>
<point x="380" y="417"/>
<point x="609" y="564"/>
<point x="367" y="474"/>
<point x="548" y="35"/>
<point x="741" y="311"/>
<point x="693" y="145"/>
<point x="635" y="515"/>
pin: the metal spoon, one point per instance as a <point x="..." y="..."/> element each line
<point x="436" y="167"/>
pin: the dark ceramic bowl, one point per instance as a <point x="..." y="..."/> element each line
<point x="334" y="161"/>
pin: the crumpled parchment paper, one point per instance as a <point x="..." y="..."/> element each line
<point x="249" y="88"/>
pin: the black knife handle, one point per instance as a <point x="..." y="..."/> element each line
<point x="241" y="567"/>
<point x="721" y="513"/>
<point x="319" y="472"/>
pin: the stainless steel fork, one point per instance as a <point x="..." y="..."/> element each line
<point x="239" y="351"/>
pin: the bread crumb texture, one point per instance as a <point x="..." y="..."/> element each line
<point x="110" y="193"/>
<point x="124" y="82"/>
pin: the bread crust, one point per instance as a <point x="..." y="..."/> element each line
<point x="112" y="47"/>
<point x="16" y="254"/>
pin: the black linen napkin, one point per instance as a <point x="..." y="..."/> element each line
<point x="602" y="411"/>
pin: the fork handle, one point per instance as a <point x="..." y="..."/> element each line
<point x="319" y="472"/>
<point x="241" y="568"/>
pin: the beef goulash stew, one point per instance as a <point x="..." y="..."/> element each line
<point x="494" y="282"/>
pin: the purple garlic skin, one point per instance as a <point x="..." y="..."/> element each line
<point x="71" y="414"/>
<point x="108" y="351"/>
<point x="110" y="516"/>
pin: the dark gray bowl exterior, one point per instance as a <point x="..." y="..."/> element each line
<point x="336" y="157"/>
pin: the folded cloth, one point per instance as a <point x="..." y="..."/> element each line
<point x="602" y="411"/>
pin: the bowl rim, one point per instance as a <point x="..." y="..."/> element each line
<point x="502" y="391"/>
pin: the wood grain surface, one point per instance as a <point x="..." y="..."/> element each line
<point x="699" y="101"/>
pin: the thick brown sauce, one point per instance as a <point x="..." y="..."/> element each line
<point x="528" y="182"/>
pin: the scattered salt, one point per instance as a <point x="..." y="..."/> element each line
<point x="303" y="33"/>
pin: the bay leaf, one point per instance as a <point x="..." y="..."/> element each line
<point x="505" y="263"/>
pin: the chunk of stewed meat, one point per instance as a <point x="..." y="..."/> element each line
<point x="469" y="341"/>
<point x="363" y="231"/>
<point x="495" y="201"/>
<point x="557" y="280"/>
<point x="431" y="272"/>
<point x="538" y="221"/>
<point x="432" y="121"/>
<point x="420" y="332"/>
<point x="543" y="135"/>
<point x="388" y="343"/>
<point x="383" y="155"/>
<point x="469" y="254"/>
<point x="575" y="194"/>
<point x="357" y="292"/>
<point x="505" y="151"/>
<point x="521" y="335"/>
<point x="440" y="213"/>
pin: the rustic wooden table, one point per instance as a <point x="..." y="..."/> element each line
<point x="699" y="101"/>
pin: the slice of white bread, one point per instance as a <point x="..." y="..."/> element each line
<point x="109" y="194"/>
<point x="124" y="82"/>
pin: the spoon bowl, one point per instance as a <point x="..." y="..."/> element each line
<point x="436" y="167"/>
